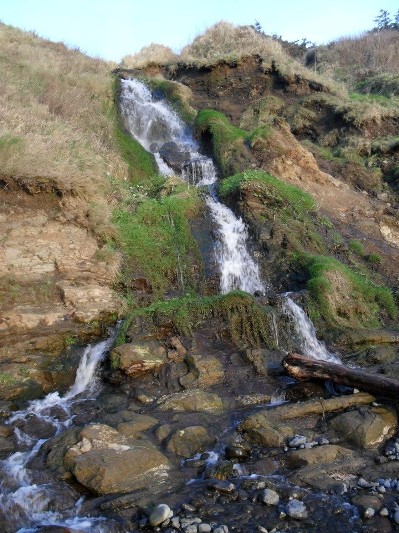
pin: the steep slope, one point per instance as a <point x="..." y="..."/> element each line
<point x="266" y="112"/>
<point x="58" y="151"/>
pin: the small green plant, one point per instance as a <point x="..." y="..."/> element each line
<point x="374" y="258"/>
<point x="356" y="247"/>
<point x="69" y="340"/>
<point x="7" y="379"/>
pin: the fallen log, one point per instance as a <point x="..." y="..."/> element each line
<point x="320" y="406"/>
<point x="302" y="368"/>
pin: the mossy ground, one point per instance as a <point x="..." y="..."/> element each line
<point x="341" y="297"/>
<point x="236" y="315"/>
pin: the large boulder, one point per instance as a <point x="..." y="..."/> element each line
<point x="105" y="461"/>
<point x="366" y="427"/>
<point x="203" y="371"/>
<point x="192" y="401"/>
<point x="138" y="357"/>
<point x="189" y="441"/>
<point x="318" y="455"/>
<point x="265" y="431"/>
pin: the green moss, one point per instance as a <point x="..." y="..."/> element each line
<point x="140" y="162"/>
<point x="177" y="96"/>
<point x="7" y="379"/>
<point x="342" y="297"/>
<point x="227" y="141"/>
<point x="248" y="323"/>
<point x="286" y="196"/>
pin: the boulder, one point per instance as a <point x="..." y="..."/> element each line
<point x="189" y="441"/>
<point x="203" y="371"/>
<point x="136" y="425"/>
<point x="135" y="358"/>
<point x="317" y="455"/>
<point x="106" y="462"/>
<point x="366" y="427"/>
<point x="265" y="431"/>
<point x="174" y="155"/>
<point x="192" y="401"/>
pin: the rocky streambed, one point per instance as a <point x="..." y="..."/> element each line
<point x="192" y="436"/>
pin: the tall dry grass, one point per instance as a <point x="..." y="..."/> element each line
<point x="226" y="41"/>
<point x="57" y="114"/>
<point x="354" y="59"/>
<point x="154" y="53"/>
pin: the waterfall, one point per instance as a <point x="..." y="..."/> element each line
<point x="306" y="332"/>
<point x="22" y="502"/>
<point x="154" y="124"/>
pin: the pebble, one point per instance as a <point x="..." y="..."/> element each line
<point x="188" y="507"/>
<point x="296" y="509"/>
<point x="369" y="512"/>
<point x="396" y="517"/>
<point x="384" y="512"/>
<point x="191" y="529"/>
<point x="221" y="529"/>
<point x="161" y="513"/>
<point x="297" y="441"/>
<point x="221" y="486"/>
<point x="176" y="522"/>
<point x="270" y="497"/>
<point x="204" y="528"/>
<point x="364" y="484"/>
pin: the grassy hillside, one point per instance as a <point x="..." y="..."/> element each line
<point x="58" y="117"/>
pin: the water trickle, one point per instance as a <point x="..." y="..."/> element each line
<point x="23" y="503"/>
<point x="306" y="332"/>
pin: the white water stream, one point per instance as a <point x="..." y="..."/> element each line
<point x="25" y="503"/>
<point x="154" y="123"/>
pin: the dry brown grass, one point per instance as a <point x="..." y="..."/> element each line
<point x="57" y="114"/>
<point x="351" y="59"/>
<point x="154" y="53"/>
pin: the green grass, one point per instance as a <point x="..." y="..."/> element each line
<point x="248" y="323"/>
<point x="155" y="236"/>
<point x="279" y="192"/>
<point x="356" y="247"/>
<point x="361" y="301"/>
<point x="228" y="141"/>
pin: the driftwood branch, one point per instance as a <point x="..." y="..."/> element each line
<point x="302" y="368"/>
<point x="320" y="406"/>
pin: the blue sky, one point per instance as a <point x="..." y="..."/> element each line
<point x="112" y="29"/>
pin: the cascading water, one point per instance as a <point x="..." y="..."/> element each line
<point x="23" y="503"/>
<point x="154" y="124"/>
<point x="306" y="332"/>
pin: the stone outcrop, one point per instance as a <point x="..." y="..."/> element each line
<point x="105" y="461"/>
<point x="366" y="427"/>
<point x="135" y="358"/>
<point x="192" y="401"/>
<point x="55" y="284"/>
